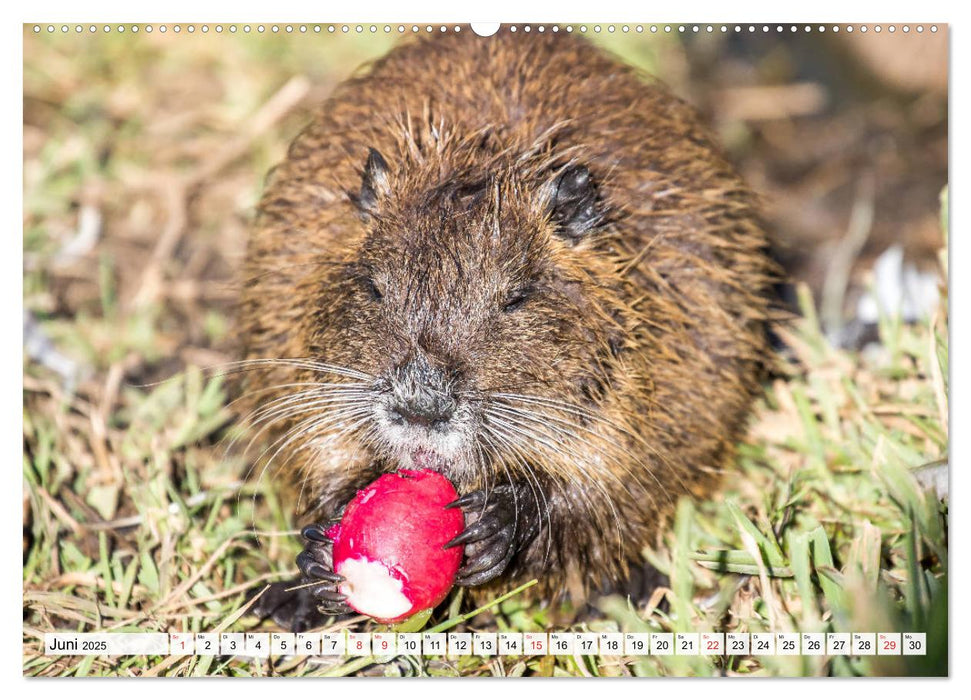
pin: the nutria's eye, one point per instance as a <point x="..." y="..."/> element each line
<point x="516" y="300"/>
<point x="574" y="203"/>
<point x="371" y="287"/>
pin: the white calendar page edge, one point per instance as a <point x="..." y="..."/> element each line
<point x="507" y="10"/>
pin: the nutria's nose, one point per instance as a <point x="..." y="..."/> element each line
<point x="429" y="414"/>
<point x="420" y="393"/>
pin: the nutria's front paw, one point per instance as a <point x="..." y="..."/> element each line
<point x="306" y="602"/>
<point x="316" y="564"/>
<point x="499" y="523"/>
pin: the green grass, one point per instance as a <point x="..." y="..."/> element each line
<point x="139" y="518"/>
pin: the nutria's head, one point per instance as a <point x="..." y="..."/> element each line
<point x="463" y="297"/>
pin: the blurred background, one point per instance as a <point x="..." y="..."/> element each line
<point x="144" y="156"/>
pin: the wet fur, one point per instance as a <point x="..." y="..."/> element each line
<point x="641" y="332"/>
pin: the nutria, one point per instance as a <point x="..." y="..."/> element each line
<point x="520" y="262"/>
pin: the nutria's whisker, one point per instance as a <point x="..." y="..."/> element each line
<point x="303" y="401"/>
<point x="250" y="394"/>
<point x="491" y="456"/>
<point x="529" y="442"/>
<point x="579" y="488"/>
<point x="288" y="437"/>
<point x="303" y="428"/>
<point x="248" y="418"/>
<point x="555" y="403"/>
<point x="291" y="412"/>
<point x="239" y="366"/>
<point x="572" y="408"/>
<point x="288" y="405"/>
<point x="523" y="461"/>
<point x="541" y="423"/>
<point x="313" y="435"/>
<point x="547" y="421"/>
<point x="502" y="448"/>
<point x="535" y="426"/>
<point x="321" y="390"/>
<point x="331" y="400"/>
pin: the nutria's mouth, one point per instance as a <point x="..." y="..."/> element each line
<point x="428" y="459"/>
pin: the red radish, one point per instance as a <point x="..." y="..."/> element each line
<point x="388" y="545"/>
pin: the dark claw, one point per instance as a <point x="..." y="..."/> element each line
<point x="316" y="533"/>
<point x="477" y="579"/>
<point x="474" y="500"/>
<point x="480" y="530"/>
<point x="328" y="594"/>
<point x="336" y="609"/>
<point x="310" y="565"/>
<point x="320" y="571"/>
<point x="491" y="556"/>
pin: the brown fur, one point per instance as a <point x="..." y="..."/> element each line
<point x="651" y="326"/>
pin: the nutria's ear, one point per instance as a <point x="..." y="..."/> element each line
<point x="573" y="204"/>
<point x="374" y="184"/>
